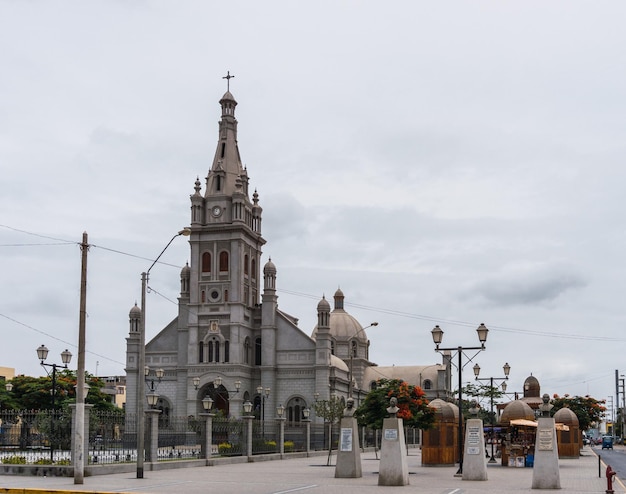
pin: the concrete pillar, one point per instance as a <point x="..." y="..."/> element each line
<point x="248" y="419"/>
<point x="474" y="464"/>
<point x="152" y="445"/>
<point x="349" y="452"/>
<point x="546" y="468"/>
<point x="85" y="434"/>
<point x="281" y="437"/>
<point x="208" y="434"/>
<point x="393" y="462"/>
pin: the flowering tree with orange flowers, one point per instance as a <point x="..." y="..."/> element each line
<point x="412" y="404"/>
<point x="587" y="409"/>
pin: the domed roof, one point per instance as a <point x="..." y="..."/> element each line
<point x="531" y="387"/>
<point x="566" y="416"/>
<point x="444" y="411"/>
<point x="338" y="363"/>
<point x="344" y="327"/>
<point x="269" y="267"/>
<point x="516" y="410"/>
<point x="323" y="306"/>
<point x="135" y="312"/>
<point x="228" y="96"/>
<point x="186" y="271"/>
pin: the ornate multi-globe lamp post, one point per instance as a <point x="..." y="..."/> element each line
<point x="66" y="357"/>
<point x="437" y="334"/>
<point x="492" y="419"/>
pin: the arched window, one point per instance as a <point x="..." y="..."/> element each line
<point x="200" y="352"/>
<point x="223" y="262"/>
<point x="253" y="269"/>
<point x="427" y="384"/>
<point x="246" y="271"/>
<point x="206" y="262"/>
<point x="332" y="347"/>
<point x="246" y="351"/>
<point x="217" y="351"/>
<point x="294" y="410"/>
<point x="257" y="351"/>
<point x="354" y="348"/>
<point x="226" y="351"/>
<point x="373" y="385"/>
<point x="210" y="351"/>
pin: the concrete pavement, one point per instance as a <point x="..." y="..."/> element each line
<point x="311" y="476"/>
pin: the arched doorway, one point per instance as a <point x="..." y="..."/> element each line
<point x="219" y="395"/>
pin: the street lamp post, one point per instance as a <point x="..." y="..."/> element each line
<point x="437" y="334"/>
<point x="141" y="361"/>
<point x="306" y="413"/>
<point x="264" y="393"/>
<point x="207" y="405"/>
<point x="247" y="410"/>
<point x="66" y="356"/>
<point x="280" y="411"/>
<point x="507" y="368"/>
<point x="352" y="341"/>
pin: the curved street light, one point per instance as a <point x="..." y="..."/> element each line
<point x="141" y="360"/>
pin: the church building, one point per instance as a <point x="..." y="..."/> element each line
<point x="230" y="340"/>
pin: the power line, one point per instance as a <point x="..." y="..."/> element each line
<point x="73" y="345"/>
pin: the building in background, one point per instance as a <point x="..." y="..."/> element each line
<point x="230" y="340"/>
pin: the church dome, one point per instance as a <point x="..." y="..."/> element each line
<point x="186" y="271"/>
<point x="344" y="327"/>
<point x="516" y="410"/>
<point x="135" y="312"/>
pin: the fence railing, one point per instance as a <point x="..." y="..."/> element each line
<point x="44" y="437"/>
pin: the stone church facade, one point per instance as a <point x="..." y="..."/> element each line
<point x="230" y="340"/>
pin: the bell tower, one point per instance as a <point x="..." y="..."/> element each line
<point x="226" y="242"/>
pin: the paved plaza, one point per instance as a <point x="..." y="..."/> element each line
<point x="312" y="476"/>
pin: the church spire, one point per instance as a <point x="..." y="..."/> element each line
<point x="227" y="174"/>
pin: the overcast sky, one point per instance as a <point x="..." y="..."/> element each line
<point x="444" y="163"/>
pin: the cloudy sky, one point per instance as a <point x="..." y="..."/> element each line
<point x="444" y="163"/>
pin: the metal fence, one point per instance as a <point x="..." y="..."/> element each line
<point x="44" y="437"/>
<point x="35" y="436"/>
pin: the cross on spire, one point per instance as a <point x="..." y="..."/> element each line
<point x="228" y="77"/>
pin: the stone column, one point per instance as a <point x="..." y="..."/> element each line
<point x="393" y="462"/>
<point x="208" y="434"/>
<point x="474" y="464"/>
<point x="546" y="468"/>
<point x="308" y="436"/>
<point x="152" y="448"/>
<point x="248" y="419"/>
<point x="349" y="452"/>
<point x="85" y="435"/>
<point x="281" y="437"/>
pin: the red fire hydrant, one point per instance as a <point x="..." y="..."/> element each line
<point x="609" y="479"/>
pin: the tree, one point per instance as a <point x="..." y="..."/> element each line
<point x="33" y="393"/>
<point x="586" y="408"/>
<point x="412" y="402"/>
<point x="331" y="411"/>
<point x="484" y="394"/>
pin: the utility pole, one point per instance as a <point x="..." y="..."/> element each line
<point x="79" y="439"/>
